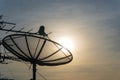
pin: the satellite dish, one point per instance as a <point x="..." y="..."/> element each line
<point x="37" y="50"/>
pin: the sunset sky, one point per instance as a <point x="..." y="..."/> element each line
<point x="92" y="25"/>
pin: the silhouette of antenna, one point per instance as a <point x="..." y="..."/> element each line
<point x="35" y="48"/>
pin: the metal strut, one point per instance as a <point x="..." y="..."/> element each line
<point x="34" y="71"/>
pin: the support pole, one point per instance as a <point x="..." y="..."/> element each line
<point x="34" y="71"/>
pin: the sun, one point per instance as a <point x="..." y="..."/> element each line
<point x="67" y="43"/>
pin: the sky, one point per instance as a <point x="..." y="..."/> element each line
<point x="93" y="26"/>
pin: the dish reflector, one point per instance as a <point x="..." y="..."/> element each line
<point x="36" y="49"/>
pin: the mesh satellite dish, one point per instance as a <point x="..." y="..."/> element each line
<point x="37" y="50"/>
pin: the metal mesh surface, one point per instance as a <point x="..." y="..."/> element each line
<point x="37" y="49"/>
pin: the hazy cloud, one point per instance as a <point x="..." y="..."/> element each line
<point x="93" y="23"/>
